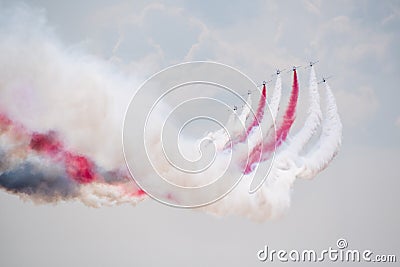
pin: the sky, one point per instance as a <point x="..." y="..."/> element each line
<point x="355" y="198"/>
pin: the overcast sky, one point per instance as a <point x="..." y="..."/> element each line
<point x="356" y="197"/>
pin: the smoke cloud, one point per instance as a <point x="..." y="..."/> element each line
<point x="61" y="117"/>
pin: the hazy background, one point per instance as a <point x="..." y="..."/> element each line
<point x="355" y="198"/>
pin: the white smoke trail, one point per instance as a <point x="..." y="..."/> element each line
<point x="235" y="124"/>
<point x="329" y="142"/>
<point x="244" y="115"/>
<point x="269" y="202"/>
<point x="276" y="97"/>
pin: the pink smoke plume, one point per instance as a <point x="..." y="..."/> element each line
<point x="258" y="116"/>
<point x="48" y="148"/>
<point x="265" y="147"/>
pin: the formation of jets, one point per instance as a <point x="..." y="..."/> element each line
<point x="280" y="71"/>
<point x="293" y="68"/>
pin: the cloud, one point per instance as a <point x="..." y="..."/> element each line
<point x="141" y="39"/>
<point x="313" y="6"/>
<point x="393" y="16"/>
<point x="349" y="41"/>
<point x="357" y="106"/>
<point x="397" y="122"/>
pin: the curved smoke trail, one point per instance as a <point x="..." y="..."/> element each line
<point x="313" y="120"/>
<point x="276" y="97"/>
<point x="329" y="142"/>
<point x="266" y="128"/>
<point x="235" y="123"/>
<point x="288" y="118"/>
<point x="258" y="117"/>
<point x="260" y="111"/>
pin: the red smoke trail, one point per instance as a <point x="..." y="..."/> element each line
<point x="261" y="151"/>
<point x="256" y="121"/>
<point x="260" y="110"/>
<point x="77" y="167"/>
<point x="290" y="113"/>
<point x="4" y="122"/>
<point x="46" y="143"/>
